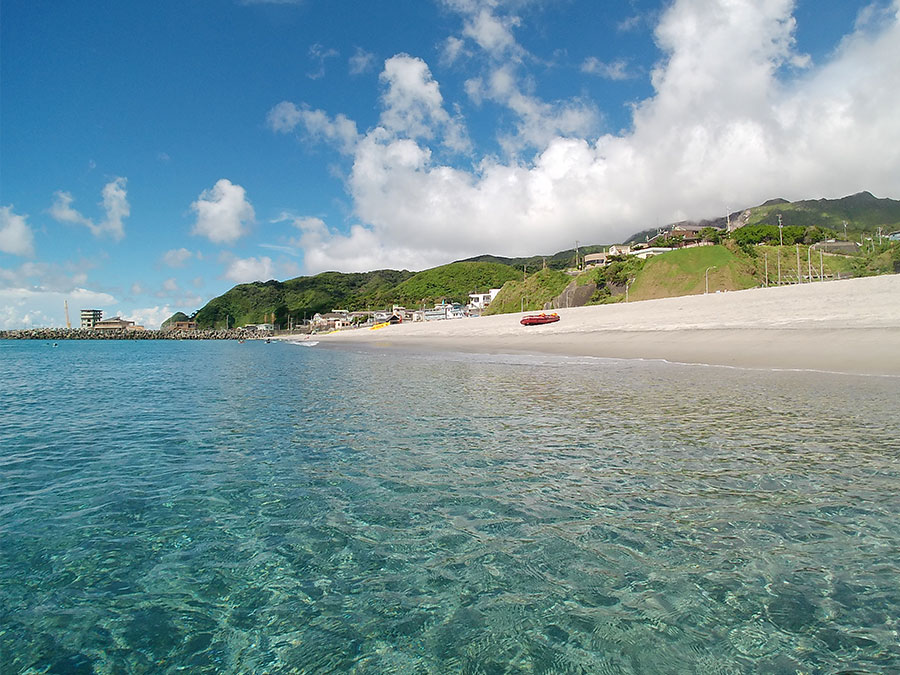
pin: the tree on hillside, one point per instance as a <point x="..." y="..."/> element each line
<point x="711" y="234"/>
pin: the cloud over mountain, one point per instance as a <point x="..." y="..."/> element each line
<point x="737" y="115"/>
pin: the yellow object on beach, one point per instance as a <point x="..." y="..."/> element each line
<point x="379" y="325"/>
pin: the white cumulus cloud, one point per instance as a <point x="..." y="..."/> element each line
<point x="115" y="206"/>
<point x="40" y="307"/>
<point x="360" y="62"/>
<point x="613" y="70"/>
<point x="318" y="125"/>
<point x="177" y="257"/>
<point x="148" y="317"/>
<point x="737" y="116"/>
<point x="16" y="236"/>
<point x="223" y="212"/>
<point x="244" y="270"/>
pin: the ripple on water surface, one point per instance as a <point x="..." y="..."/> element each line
<point x="216" y="507"/>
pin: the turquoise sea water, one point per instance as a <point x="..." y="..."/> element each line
<point x="250" y="508"/>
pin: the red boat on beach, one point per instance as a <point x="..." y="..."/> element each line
<point x="539" y="319"/>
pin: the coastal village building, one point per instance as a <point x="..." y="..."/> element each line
<point x="89" y="317"/>
<point x="645" y="253"/>
<point x="116" y="323"/>
<point x="335" y="319"/>
<point x="183" y="325"/>
<point x="381" y="316"/>
<point x="482" y="300"/>
<point x="445" y="310"/>
<point x="833" y="246"/>
<point x="592" y="259"/>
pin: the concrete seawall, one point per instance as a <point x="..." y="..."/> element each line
<point x="79" y="334"/>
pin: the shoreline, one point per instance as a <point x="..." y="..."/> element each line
<point x="850" y="326"/>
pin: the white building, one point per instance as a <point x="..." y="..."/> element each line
<point x="90" y="317"/>
<point x="482" y="300"/>
<point x="445" y="311"/>
<point x="595" y="259"/>
<point x="645" y="253"/>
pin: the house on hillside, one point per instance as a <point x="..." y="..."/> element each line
<point x="679" y="236"/>
<point x="645" y="253"/>
<point x="619" y="249"/>
<point x="596" y="259"/>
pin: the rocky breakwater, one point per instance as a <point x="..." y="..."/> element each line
<point x="55" y="334"/>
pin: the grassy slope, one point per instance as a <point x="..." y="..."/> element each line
<point x="452" y="282"/>
<point x="538" y="288"/>
<point x="831" y="264"/>
<point x="683" y="272"/>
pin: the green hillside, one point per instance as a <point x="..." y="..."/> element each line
<point x="731" y="268"/>
<point x="862" y="212"/>
<point x="302" y="297"/>
<point x="530" y="294"/>
<point x="298" y="298"/>
<point x="683" y="272"/>
<point x="558" y="261"/>
<point x="177" y="316"/>
<point x="452" y="282"/>
<point x="740" y="263"/>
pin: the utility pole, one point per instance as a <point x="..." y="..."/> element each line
<point x="780" y="231"/>
<point x="576" y="254"/>
<point x="779" y="266"/>
<point x="799" y="279"/>
<point x="821" y="266"/>
<point x="809" y="262"/>
<point x="767" y="270"/>
<point x="845" y="230"/>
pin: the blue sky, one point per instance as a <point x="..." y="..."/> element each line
<point x="152" y="155"/>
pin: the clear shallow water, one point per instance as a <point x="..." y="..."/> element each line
<point x="223" y="507"/>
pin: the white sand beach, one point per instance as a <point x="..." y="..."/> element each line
<point x="848" y="326"/>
